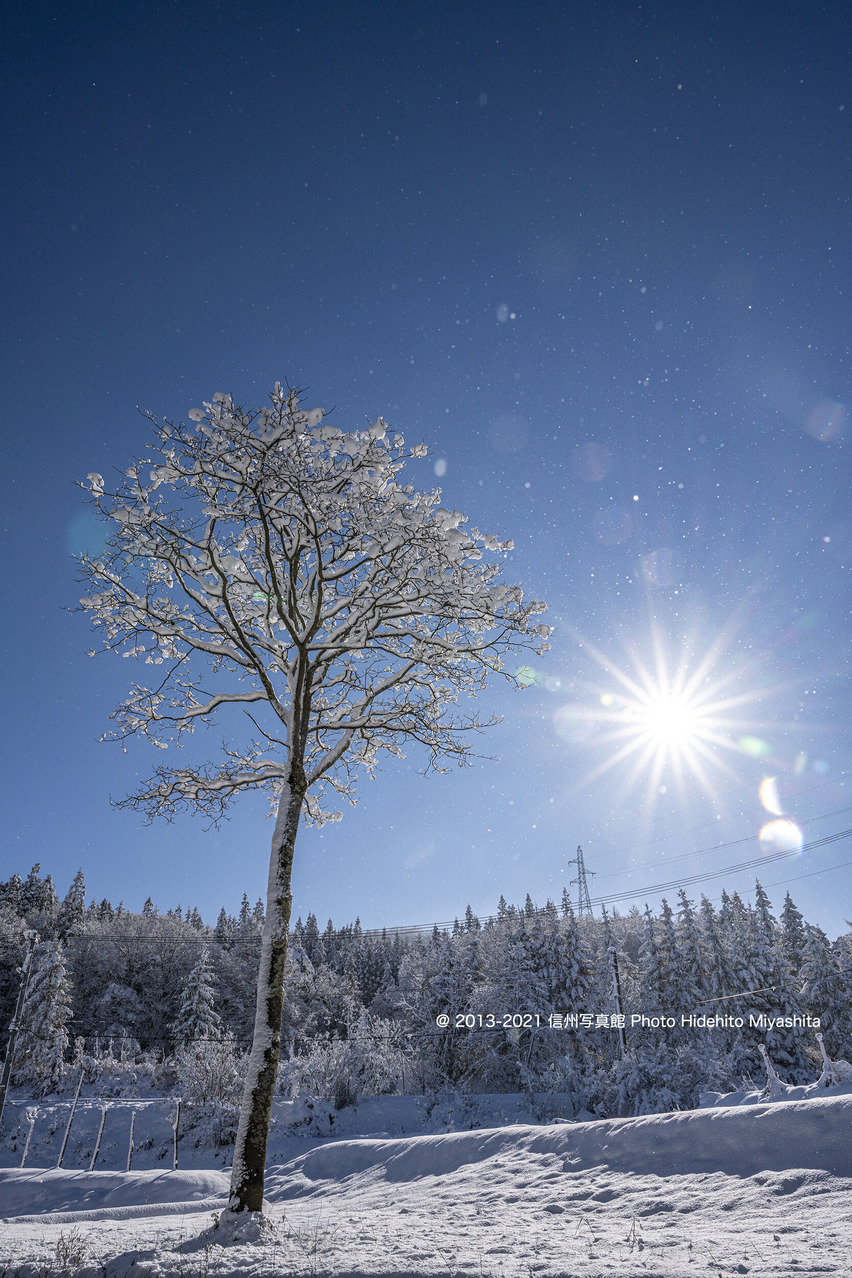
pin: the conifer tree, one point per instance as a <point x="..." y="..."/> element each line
<point x="10" y="894"/>
<point x="224" y="929"/>
<point x="688" y="984"/>
<point x="788" y="1046"/>
<point x="652" y="993"/>
<point x="31" y="897"/>
<point x="72" y="911"/>
<point x="824" y="993"/>
<point x="792" y="937"/>
<point x="45" y="1015"/>
<point x="715" y="972"/>
<point x="197" y="1018"/>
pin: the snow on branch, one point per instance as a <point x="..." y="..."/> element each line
<point x="270" y="559"/>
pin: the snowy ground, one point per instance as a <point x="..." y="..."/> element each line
<point x="762" y="1189"/>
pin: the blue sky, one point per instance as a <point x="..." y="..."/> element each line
<point x="596" y="256"/>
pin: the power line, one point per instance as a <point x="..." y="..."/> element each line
<point x="717" y="801"/>
<point x="346" y="935"/>
<point x="732" y="843"/>
<point x="754" y="863"/>
<point x="810" y="874"/>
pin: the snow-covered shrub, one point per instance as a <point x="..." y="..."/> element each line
<point x="377" y="1048"/>
<point x="642" y="1082"/>
<point x="370" y="1061"/>
<point x="556" y="1091"/>
<point x="450" y="1110"/>
<point x="213" y="1124"/>
<point x="211" y="1070"/>
<point x="317" y="1072"/>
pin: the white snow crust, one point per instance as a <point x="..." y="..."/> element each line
<point x="761" y="1189"/>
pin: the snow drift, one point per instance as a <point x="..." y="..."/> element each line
<point x="760" y="1189"/>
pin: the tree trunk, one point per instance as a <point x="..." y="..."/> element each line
<point x="250" y="1150"/>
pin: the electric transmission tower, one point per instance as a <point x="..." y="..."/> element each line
<point x="584" y="901"/>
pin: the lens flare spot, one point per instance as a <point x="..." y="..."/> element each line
<point x="526" y="676"/>
<point x="575" y="724"/>
<point x="660" y="567"/>
<point x="826" y="421"/>
<point x="753" y="746"/>
<point x="781" y="836"/>
<point x="769" y="796"/>
<point x="591" y="462"/>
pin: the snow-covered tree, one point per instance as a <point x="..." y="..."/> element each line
<point x="10" y="894"/>
<point x="651" y="991"/>
<point x="211" y="1070"/>
<point x="72" y="911"/>
<point x="271" y="561"/>
<point x="198" y="1018"/>
<point x="823" y="991"/>
<point x="789" y="1047"/>
<point x="715" y="975"/>
<point x="793" y="936"/>
<point x="45" y="1014"/>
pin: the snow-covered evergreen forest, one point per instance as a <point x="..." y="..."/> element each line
<point x="110" y="989"/>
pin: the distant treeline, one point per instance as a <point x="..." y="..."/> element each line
<point x="530" y="996"/>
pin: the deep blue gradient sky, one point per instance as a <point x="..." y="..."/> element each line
<point x="597" y="257"/>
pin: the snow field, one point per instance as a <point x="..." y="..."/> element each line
<point x="759" y="1189"/>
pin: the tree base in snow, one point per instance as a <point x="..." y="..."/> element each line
<point x="232" y="1228"/>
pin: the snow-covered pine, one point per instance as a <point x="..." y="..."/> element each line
<point x="715" y="971"/>
<point x="198" y="1018"/>
<point x="72" y="911"/>
<point x="46" y="1012"/>
<point x="824" y="991"/>
<point x="791" y="1047"/>
<point x="280" y="558"/>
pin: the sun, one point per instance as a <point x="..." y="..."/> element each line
<point x="668" y="720"/>
<point x="679" y="716"/>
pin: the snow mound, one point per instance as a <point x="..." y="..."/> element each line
<point x="761" y="1189"/>
<point x="781" y="1092"/>
<point x="817" y="1133"/>
<point x="68" y="1196"/>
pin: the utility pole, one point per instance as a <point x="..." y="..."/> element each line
<point x="30" y="938"/>
<point x="584" y="901"/>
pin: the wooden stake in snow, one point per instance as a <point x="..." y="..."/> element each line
<point x="130" y="1143"/>
<point x="70" y="1120"/>
<point x="97" y="1148"/>
<point x="175" y="1126"/>
<point x="31" y="1117"/>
